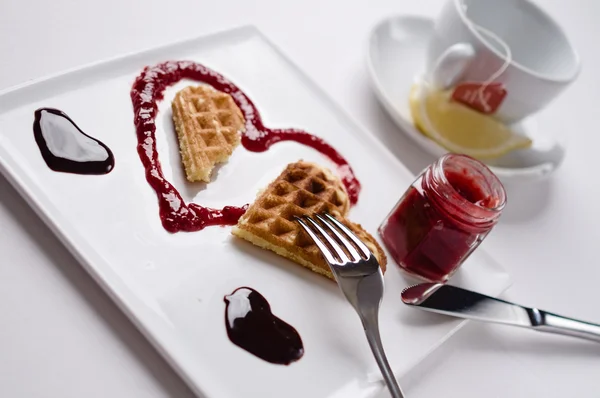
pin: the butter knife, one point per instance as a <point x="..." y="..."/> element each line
<point x="457" y="302"/>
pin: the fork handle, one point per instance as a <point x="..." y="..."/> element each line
<point x="371" y="325"/>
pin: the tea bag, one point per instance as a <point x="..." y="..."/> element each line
<point x="460" y="116"/>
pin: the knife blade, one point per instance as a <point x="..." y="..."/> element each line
<point x="454" y="301"/>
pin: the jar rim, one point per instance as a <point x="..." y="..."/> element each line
<point x="451" y="200"/>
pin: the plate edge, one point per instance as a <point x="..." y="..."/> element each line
<point x="72" y="247"/>
<point x="86" y="67"/>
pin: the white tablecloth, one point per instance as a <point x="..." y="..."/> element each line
<point x="60" y="335"/>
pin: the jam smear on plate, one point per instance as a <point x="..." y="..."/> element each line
<point x="66" y="148"/>
<point x="175" y="214"/>
<point x="252" y="326"/>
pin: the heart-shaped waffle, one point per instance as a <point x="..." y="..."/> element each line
<point x="209" y="125"/>
<point x="303" y="188"/>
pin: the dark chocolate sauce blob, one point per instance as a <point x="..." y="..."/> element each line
<point x="66" y="148"/>
<point x="176" y="215"/>
<point x="252" y="326"/>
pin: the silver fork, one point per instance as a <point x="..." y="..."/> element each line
<point x="359" y="276"/>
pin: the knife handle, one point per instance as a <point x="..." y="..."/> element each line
<point x="552" y="323"/>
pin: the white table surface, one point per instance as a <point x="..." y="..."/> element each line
<point x="60" y="335"/>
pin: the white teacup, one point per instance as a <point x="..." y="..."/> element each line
<point x="543" y="61"/>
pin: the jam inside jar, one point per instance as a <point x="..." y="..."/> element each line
<point x="443" y="216"/>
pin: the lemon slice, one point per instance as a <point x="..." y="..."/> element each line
<point x="461" y="129"/>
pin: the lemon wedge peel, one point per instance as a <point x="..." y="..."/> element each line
<point x="492" y="138"/>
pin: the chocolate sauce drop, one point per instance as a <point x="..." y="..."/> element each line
<point x="66" y="148"/>
<point x="252" y="326"/>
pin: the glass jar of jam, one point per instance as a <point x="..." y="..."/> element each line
<point x="443" y="216"/>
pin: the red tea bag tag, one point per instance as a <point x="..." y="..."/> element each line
<point x="469" y="94"/>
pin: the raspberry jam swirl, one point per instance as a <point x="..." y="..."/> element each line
<point x="175" y="214"/>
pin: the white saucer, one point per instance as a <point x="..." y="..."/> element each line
<point x="396" y="57"/>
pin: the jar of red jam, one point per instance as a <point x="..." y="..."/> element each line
<point x="443" y="216"/>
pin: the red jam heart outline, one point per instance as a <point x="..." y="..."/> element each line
<point x="176" y="215"/>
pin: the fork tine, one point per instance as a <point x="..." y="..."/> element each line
<point x="361" y="246"/>
<point x="345" y="242"/>
<point x="322" y="246"/>
<point x="332" y="242"/>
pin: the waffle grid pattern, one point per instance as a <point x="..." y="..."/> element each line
<point x="208" y="124"/>
<point x="302" y="189"/>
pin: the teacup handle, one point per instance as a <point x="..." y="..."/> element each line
<point x="451" y="65"/>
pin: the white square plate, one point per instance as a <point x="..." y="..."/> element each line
<point x="172" y="285"/>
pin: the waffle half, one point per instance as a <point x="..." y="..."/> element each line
<point x="208" y="125"/>
<point x="303" y="188"/>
